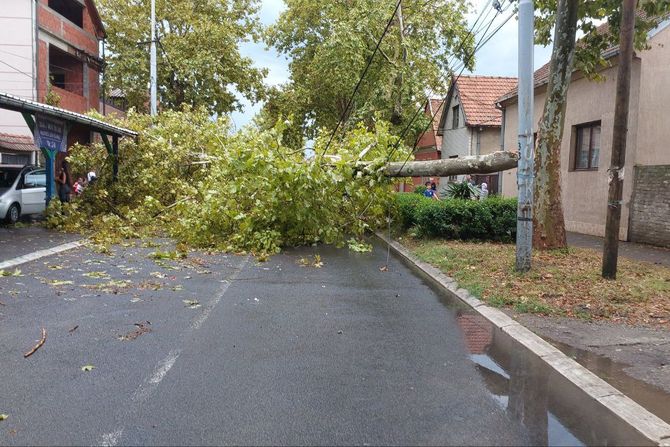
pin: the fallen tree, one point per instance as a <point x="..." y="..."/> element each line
<point x="482" y="164"/>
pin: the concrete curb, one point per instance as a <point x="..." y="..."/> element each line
<point x="630" y="412"/>
<point x="11" y="263"/>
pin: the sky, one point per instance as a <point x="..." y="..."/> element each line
<point x="497" y="58"/>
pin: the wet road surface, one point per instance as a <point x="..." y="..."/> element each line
<point x="216" y="349"/>
<point x="29" y="237"/>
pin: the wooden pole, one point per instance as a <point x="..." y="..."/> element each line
<point x="611" y="248"/>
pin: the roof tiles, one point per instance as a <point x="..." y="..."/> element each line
<point x="14" y="142"/>
<point x="478" y="95"/>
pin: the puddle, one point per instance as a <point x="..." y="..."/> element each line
<point x="650" y="397"/>
<point x="553" y="410"/>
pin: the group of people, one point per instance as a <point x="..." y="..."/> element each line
<point x="431" y="189"/>
<point x="66" y="189"/>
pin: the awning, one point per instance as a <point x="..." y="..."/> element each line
<point x="11" y="102"/>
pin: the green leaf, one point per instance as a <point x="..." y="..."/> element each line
<point x="87" y="368"/>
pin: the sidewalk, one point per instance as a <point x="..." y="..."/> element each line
<point x="631" y="250"/>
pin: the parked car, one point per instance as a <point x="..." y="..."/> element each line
<point x="22" y="191"/>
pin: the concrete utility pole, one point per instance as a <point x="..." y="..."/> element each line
<point x="152" y="62"/>
<point x="611" y="248"/>
<point x="524" y="176"/>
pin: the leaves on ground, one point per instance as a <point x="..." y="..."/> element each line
<point x="100" y="275"/>
<point x="142" y="328"/>
<point x="87" y="368"/>
<point x="3" y="416"/>
<point x="193" y="304"/>
<point x="359" y="246"/>
<point x="564" y="282"/>
<point x="60" y="282"/>
<point x="315" y="262"/>
<point x="16" y="272"/>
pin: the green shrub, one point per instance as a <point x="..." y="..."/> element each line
<point x="420" y="189"/>
<point x="491" y="219"/>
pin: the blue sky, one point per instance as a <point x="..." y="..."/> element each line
<point x="497" y="58"/>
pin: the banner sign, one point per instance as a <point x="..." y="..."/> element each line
<point x="50" y="133"/>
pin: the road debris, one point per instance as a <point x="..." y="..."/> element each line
<point x="87" y="368"/>
<point x="142" y="328"/>
<point x="193" y="304"/>
<point x="73" y="329"/>
<point x="3" y="416"/>
<point x="38" y="345"/>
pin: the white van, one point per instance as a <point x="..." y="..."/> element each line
<point x="22" y="191"/>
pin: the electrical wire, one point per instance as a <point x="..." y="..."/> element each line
<point x="344" y="116"/>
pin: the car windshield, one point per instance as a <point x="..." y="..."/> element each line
<point x="7" y="177"/>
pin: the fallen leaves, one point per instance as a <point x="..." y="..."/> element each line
<point x="87" y="368"/>
<point x="315" y="262"/>
<point x="191" y="304"/>
<point x="142" y="328"/>
<point x="16" y="272"/>
<point x="59" y="282"/>
<point x="3" y="416"/>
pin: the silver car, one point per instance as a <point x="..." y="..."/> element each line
<point x="22" y="191"/>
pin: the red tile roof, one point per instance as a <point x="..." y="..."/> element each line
<point x="13" y="142"/>
<point x="478" y="95"/>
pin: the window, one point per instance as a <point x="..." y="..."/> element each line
<point x="70" y="9"/>
<point x="66" y="71"/>
<point x="15" y="159"/>
<point x="35" y="179"/>
<point x="587" y="146"/>
<point x="454" y="117"/>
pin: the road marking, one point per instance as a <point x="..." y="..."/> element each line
<point x="10" y="263"/>
<point x="164" y="366"/>
<point x="111" y="439"/>
<point x="200" y="319"/>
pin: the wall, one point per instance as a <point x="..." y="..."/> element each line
<point x="653" y="139"/>
<point x="649" y="223"/>
<point x="585" y="192"/>
<point x="455" y="141"/>
<point x="489" y="140"/>
<point x="17" y="38"/>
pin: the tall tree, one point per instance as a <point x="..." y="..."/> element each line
<point x="199" y="60"/>
<point x="329" y="44"/>
<point x="567" y="17"/>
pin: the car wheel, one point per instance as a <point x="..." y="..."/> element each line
<point x="13" y="214"/>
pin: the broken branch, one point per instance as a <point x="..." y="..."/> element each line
<point x="38" y="345"/>
<point x="483" y="164"/>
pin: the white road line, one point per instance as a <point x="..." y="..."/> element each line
<point x="11" y="263"/>
<point x="200" y="319"/>
<point x="111" y="439"/>
<point x="164" y="366"/>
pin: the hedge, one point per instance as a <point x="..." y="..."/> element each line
<point x="490" y="219"/>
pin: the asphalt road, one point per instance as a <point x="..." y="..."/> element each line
<point x="28" y="237"/>
<point x="272" y="353"/>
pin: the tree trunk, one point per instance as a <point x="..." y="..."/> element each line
<point x="484" y="164"/>
<point x="548" y="221"/>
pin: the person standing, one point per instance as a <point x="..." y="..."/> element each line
<point x="63" y="181"/>
<point x="484" y="192"/>
<point x="430" y="192"/>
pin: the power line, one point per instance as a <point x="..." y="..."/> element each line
<point x="16" y="69"/>
<point x="344" y="116"/>
<point x="484" y="39"/>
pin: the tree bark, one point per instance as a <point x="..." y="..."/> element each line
<point x="618" y="160"/>
<point x="548" y="221"/>
<point x="484" y="164"/>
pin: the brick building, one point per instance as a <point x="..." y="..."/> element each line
<point x="430" y="143"/>
<point x="49" y="46"/>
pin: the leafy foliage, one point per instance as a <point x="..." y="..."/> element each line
<point x="188" y="177"/>
<point x="199" y="62"/>
<point x="462" y="190"/>
<point x="329" y="44"/>
<point x="596" y="38"/>
<point x="491" y="219"/>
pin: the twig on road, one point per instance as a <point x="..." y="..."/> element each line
<point x="38" y="345"/>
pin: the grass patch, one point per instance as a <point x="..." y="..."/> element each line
<point x="562" y="282"/>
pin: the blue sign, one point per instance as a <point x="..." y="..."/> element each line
<point x="50" y="133"/>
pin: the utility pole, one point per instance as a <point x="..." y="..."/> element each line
<point x="524" y="176"/>
<point x="152" y="62"/>
<point x="618" y="160"/>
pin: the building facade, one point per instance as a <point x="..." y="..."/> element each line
<point x="470" y="123"/>
<point x="49" y="52"/>
<point x="587" y="143"/>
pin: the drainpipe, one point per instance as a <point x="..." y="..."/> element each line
<point x="104" y="85"/>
